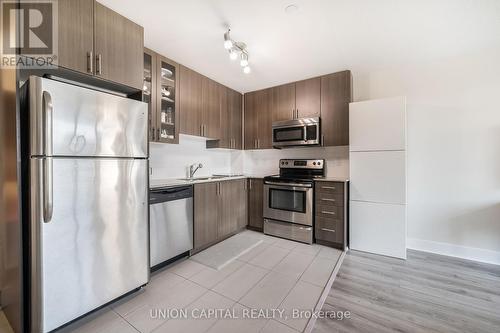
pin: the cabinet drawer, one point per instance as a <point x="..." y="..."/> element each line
<point x="330" y="212"/>
<point x="329" y="187"/>
<point x="329" y="199"/>
<point x="329" y="230"/>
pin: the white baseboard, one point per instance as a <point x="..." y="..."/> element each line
<point x="452" y="250"/>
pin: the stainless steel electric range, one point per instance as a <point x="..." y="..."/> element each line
<point x="288" y="199"/>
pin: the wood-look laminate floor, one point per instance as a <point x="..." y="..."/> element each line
<point x="425" y="293"/>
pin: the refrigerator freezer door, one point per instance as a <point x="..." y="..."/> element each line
<point x="67" y="120"/>
<point x="95" y="247"/>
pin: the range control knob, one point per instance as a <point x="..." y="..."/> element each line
<point x="314" y="163"/>
<point x="319" y="163"/>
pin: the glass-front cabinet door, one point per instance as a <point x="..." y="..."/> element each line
<point x="167" y="120"/>
<point x="149" y="90"/>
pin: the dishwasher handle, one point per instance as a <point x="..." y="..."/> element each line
<point x="161" y="195"/>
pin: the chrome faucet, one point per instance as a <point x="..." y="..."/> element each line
<point x="193" y="168"/>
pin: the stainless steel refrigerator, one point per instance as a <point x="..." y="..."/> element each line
<point x="89" y="225"/>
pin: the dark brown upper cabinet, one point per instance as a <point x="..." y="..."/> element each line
<point x="76" y="35"/>
<point x="230" y="120"/>
<point x="210" y="108"/>
<point x="283" y="102"/>
<point x="119" y="46"/>
<point x="235" y="106"/>
<point x="199" y="104"/>
<point x="336" y="94"/>
<point x="160" y="91"/>
<point x="149" y="90"/>
<point x="258" y="119"/>
<point x="296" y="100"/>
<point x="190" y="101"/>
<point x="307" y="98"/>
<point x="95" y="40"/>
<point x="327" y="97"/>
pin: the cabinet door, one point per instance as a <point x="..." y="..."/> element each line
<point x="167" y="96"/>
<point x="190" y="101"/>
<point x="251" y="121"/>
<point x="335" y="99"/>
<point x="206" y="203"/>
<point x="119" y="47"/>
<point x="284" y="106"/>
<point x="228" y="220"/>
<point x="76" y="35"/>
<point x="236" y="117"/>
<point x="225" y="139"/>
<point x="308" y="98"/>
<point x="241" y="203"/>
<point x="255" y="203"/>
<point x="149" y="90"/>
<point x="210" y="108"/>
<point x="264" y="102"/>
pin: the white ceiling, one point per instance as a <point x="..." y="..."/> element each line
<point x="323" y="36"/>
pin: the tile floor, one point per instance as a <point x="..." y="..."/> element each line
<point x="276" y="274"/>
<point x="4" y="324"/>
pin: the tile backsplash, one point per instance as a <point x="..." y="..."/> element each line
<point x="172" y="161"/>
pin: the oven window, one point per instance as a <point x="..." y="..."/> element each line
<point x="289" y="200"/>
<point x="288" y="134"/>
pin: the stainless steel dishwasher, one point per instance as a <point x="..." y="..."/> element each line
<point x="171" y="223"/>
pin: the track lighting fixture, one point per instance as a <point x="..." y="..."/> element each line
<point x="235" y="49"/>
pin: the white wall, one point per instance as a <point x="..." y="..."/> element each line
<point x="172" y="161"/>
<point x="265" y="162"/>
<point x="453" y="150"/>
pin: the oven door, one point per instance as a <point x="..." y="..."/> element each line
<point x="289" y="202"/>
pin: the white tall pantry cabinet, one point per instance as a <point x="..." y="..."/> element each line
<point x="377" y="158"/>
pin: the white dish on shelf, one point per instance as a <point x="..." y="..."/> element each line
<point x="166" y="73"/>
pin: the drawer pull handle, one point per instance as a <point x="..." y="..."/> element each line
<point x="327" y="212"/>
<point x="328" y="187"/>
<point x="326" y="229"/>
<point x="331" y="200"/>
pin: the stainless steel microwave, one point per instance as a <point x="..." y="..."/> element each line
<point x="297" y="132"/>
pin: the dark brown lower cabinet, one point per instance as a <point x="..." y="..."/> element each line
<point x="331" y="213"/>
<point x="206" y="202"/>
<point x="219" y="211"/>
<point x="255" y="205"/>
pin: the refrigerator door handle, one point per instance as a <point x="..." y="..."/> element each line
<point x="47" y="118"/>
<point x="47" y="190"/>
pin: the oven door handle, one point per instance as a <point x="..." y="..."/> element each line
<point x="288" y="184"/>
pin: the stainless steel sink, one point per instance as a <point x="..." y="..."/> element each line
<point x="201" y="178"/>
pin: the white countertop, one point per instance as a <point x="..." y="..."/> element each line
<point x="172" y="182"/>
<point x="332" y="179"/>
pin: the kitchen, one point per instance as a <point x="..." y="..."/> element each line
<point x="164" y="167"/>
